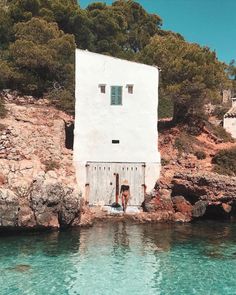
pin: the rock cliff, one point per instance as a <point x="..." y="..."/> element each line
<point x="37" y="178"/>
<point x="194" y="195"/>
<point x="210" y="194"/>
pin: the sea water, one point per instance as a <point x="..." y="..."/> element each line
<point x="119" y="258"/>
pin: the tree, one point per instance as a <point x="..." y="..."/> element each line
<point x="232" y="75"/>
<point x="6" y="74"/>
<point x="140" y="25"/>
<point x="190" y="75"/>
<point x="43" y="54"/>
<point x="121" y="29"/>
<point x="107" y="28"/>
<point x="232" y="69"/>
<point x="6" y="26"/>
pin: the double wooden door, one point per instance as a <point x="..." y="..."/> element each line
<point x="102" y="182"/>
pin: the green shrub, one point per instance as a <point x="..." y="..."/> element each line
<point x="51" y="165"/>
<point x="219" y="132"/>
<point x="185" y="143"/>
<point x="225" y="162"/>
<point x="164" y="162"/>
<point x="220" y="111"/>
<point x="201" y="155"/>
<point x="3" y="111"/>
<point x="165" y="108"/>
<point x="62" y="99"/>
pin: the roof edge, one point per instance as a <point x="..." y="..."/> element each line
<point x="117" y="58"/>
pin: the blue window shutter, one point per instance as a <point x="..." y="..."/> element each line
<point x="119" y="95"/>
<point x="113" y="95"/>
<point x="116" y="95"/>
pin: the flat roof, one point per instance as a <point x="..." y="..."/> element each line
<point x="116" y="58"/>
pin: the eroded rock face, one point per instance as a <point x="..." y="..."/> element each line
<point x="182" y="206"/>
<point x="190" y="196"/>
<point x="157" y="202"/>
<point x="48" y="204"/>
<point x="9" y="208"/>
<point x="33" y="142"/>
<point x="211" y="195"/>
<point x="37" y="179"/>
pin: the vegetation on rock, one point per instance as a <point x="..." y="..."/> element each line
<point x="2" y="110"/>
<point x="201" y="155"/>
<point x="225" y="162"/>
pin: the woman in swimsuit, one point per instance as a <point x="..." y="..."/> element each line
<point x="125" y="194"/>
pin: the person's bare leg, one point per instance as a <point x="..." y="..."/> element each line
<point x="125" y="203"/>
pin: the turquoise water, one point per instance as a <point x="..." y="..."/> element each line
<point x="122" y="259"/>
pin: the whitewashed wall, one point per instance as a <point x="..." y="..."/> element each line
<point x="230" y="126"/>
<point x="230" y="120"/>
<point x="97" y="122"/>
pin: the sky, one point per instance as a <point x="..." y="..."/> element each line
<point x="210" y="23"/>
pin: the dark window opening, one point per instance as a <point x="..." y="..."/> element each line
<point x="102" y="88"/>
<point x="69" y="132"/>
<point x="115" y="141"/>
<point x="130" y="88"/>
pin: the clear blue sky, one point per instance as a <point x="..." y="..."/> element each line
<point x="207" y="22"/>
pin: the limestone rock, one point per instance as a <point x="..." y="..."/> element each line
<point x="157" y="202"/>
<point x="180" y="217"/>
<point x="37" y="178"/>
<point x="199" y="208"/>
<point x="211" y="194"/>
<point x="46" y="205"/>
<point x="182" y="206"/>
<point x="9" y="207"/>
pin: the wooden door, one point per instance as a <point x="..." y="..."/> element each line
<point x="102" y="181"/>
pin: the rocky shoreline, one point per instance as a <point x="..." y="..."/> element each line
<point x="194" y="195"/>
<point x="50" y="204"/>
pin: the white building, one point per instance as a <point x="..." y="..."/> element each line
<point x="115" y="136"/>
<point x="230" y="119"/>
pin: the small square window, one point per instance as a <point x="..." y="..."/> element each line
<point x="102" y="88"/>
<point x="130" y="88"/>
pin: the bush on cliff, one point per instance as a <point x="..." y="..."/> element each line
<point x="201" y="155"/>
<point x="219" y="132"/>
<point x="2" y="110"/>
<point x="225" y="162"/>
<point x="185" y="143"/>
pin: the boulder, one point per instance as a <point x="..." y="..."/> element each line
<point x="54" y="204"/>
<point x="45" y="205"/>
<point x="180" y="217"/>
<point x="183" y="206"/>
<point x="9" y="208"/>
<point x="199" y="209"/>
<point x="156" y="202"/>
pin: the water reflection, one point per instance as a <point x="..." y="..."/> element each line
<point x="118" y="257"/>
<point x="120" y="238"/>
